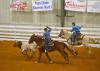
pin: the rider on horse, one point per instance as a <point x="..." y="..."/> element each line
<point x="75" y="32"/>
<point x="47" y="37"/>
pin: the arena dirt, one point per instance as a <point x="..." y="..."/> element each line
<point x="11" y="59"/>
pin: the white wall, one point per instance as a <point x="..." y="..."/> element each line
<point x="45" y="18"/>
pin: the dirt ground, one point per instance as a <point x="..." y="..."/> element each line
<point x="11" y="59"/>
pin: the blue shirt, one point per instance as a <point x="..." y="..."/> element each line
<point x="76" y="28"/>
<point x="47" y="34"/>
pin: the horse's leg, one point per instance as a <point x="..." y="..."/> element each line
<point x="88" y="49"/>
<point x="71" y="50"/>
<point x="74" y="50"/>
<point x="65" y="55"/>
<point x="40" y="54"/>
<point x="50" y="60"/>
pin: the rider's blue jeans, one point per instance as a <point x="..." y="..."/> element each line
<point x="46" y="42"/>
<point x="74" y="37"/>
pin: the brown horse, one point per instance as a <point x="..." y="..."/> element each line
<point x="59" y="46"/>
<point x="82" y="39"/>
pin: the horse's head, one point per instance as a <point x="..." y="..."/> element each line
<point x="17" y="44"/>
<point x="64" y="34"/>
<point x="61" y="33"/>
<point x="36" y="38"/>
<point x="32" y="38"/>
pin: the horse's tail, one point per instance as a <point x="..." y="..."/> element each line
<point x="69" y="49"/>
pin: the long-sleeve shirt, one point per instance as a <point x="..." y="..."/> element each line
<point x="76" y="28"/>
<point x="47" y="34"/>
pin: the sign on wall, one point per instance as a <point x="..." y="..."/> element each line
<point x="93" y="6"/>
<point x="75" y="5"/>
<point x="17" y="5"/>
<point x="41" y="5"/>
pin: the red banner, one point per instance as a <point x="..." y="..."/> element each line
<point x="19" y="6"/>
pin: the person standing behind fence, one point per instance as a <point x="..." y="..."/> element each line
<point x="47" y="37"/>
<point x="75" y="32"/>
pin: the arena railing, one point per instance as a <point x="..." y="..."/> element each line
<point x="22" y="33"/>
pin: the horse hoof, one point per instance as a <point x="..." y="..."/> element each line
<point x="68" y="62"/>
<point x="24" y="52"/>
<point x="36" y="62"/>
<point x="51" y="62"/>
<point x="76" y="53"/>
<point x="29" y="57"/>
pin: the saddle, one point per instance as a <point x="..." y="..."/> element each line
<point x="50" y="43"/>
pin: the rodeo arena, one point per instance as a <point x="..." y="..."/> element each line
<point x="39" y="35"/>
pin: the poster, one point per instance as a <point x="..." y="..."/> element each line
<point x="75" y="5"/>
<point x="93" y="6"/>
<point x="18" y="5"/>
<point x="42" y="5"/>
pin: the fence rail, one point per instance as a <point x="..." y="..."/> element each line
<point x="23" y="32"/>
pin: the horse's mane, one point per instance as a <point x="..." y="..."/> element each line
<point x="35" y="36"/>
<point x="31" y="39"/>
